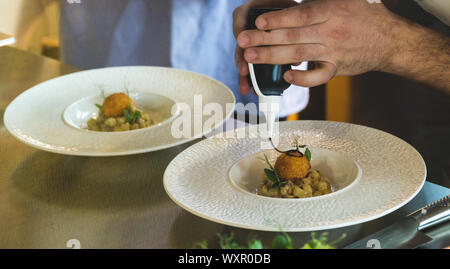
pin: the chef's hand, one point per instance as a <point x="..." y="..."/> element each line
<point x="239" y="23"/>
<point x="345" y="37"/>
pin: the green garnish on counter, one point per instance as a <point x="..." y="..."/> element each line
<point x="280" y="241"/>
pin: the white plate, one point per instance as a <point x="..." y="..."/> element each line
<point x="52" y="115"/>
<point x="373" y="174"/>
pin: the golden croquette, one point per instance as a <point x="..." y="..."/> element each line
<point x="292" y="166"/>
<point x="115" y="104"/>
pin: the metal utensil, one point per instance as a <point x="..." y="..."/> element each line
<point x="407" y="233"/>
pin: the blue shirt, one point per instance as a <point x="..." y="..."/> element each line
<point x="195" y="35"/>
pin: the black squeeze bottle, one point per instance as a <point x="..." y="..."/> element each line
<point x="269" y="77"/>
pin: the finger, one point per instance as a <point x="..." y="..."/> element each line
<point x="302" y="15"/>
<point x="240" y="13"/>
<point x="311" y="78"/>
<point x="239" y="24"/>
<point x="287" y="54"/>
<point x="244" y="86"/>
<point x="239" y="21"/>
<point x="303" y="35"/>
<point x="241" y="63"/>
<point x="242" y="66"/>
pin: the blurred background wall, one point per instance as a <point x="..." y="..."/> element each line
<point x="33" y="23"/>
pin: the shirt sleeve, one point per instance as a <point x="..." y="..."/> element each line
<point x="439" y="8"/>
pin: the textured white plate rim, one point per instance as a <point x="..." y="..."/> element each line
<point x="49" y="148"/>
<point x="272" y="229"/>
<point x="296" y="229"/>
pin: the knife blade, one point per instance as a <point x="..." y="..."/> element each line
<point x="401" y="234"/>
<point x="406" y="233"/>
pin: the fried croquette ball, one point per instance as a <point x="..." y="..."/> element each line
<point x="114" y="105"/>
<point x="292" y="167"/>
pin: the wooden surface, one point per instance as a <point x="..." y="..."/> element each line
<point x="47" y="199"/>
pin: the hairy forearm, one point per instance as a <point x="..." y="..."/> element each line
<point x="420" y="54"/>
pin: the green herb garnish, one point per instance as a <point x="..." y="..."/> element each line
<point x="201" y="245"/>
<point x="322" y="242"/>
<point x="137" y="114"/>
<point x="226" y="242"/>
<point x="267" y="162"/>
<point x="307" y="151"/>
<point x="130" y="116"/>
<point x="272" y="175"/>
<point x="99" y="106"/>
<point x="298" y="147"/>
<point x="308" y="154"/>
<point x="254" y="243"/>
<point x="280" y="241"/>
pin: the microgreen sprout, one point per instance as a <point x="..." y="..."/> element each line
<point x="280" y="241"/>
<point x="132" y="116"/>
<point x="307" y="152"/>
<point x="272" y="175"/>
